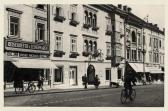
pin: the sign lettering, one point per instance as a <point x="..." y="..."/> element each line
<point x="31" y="46"/>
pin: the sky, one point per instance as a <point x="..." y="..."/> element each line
<point x="155" y="13"/>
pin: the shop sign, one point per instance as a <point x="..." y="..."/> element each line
<point x="31" y="55"/>
<point x="26" y="45"/>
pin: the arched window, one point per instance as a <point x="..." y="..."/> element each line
<point x="94" y="46"/>
<point x="133" y="37"/>
<point x="90" y="19"/>
<point x="90" y="46"/>
<point x="94" y="20"/>
<point x="86" y="46"/>
<point x="86" y="17"/>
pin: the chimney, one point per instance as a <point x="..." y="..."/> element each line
<point x="164" y="30"/>
<point x="129" y="9"/>
<point x="125" y="8"/>
<point x="119" y="6"/>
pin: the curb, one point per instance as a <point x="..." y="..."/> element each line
<point x="48" y="92"/>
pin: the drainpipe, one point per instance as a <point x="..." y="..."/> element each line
<point x="125" y="22"/>
<point x="50" y="82"/>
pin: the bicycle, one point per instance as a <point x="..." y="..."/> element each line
<point x="125" y="95"/>
<point x="30" y="88"/>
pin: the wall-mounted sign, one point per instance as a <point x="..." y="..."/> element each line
<point x="25" y="54"/>
<point x="26" y="45"/>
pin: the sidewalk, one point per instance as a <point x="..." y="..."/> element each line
<point x="56" y="89"/>
<point x="59" y="89"/>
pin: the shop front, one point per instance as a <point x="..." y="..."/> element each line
<point x="141" y="71"/>
<point x="26" y="61"/>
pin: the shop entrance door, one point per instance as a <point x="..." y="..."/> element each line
<point x="73" y="76"/>
<point x="91" y="74"/>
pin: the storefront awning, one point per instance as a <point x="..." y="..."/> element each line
<point x="138" y="67"/>
<point x="156" y="71"/>
<point x="7" y="58"/>
<point x="35" y="64"/>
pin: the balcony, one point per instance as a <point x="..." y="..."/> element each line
<point x="96" y="54"/>
<point x="74" y="23"/>
<point x="108" y="57"/>
<point x="59" y="18"/>
<point x="74" y="54"/>
<point x="86" y="26"/>
<point x="58" y="53"/>
<point x="95" y="28"/>
<point x="85" y="53"/>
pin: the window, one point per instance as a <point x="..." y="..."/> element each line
<point x="58" y="42"/>
<point x="94" y="46"/>
<point x="108" y="45"/>
<point x="73" y="9"/>
<point x="160" y="43"/>
<point x="133" y="37"/>
<point x="139" y="39"/>
<point x="86" y="17"/>
<point x="40" y="32"/>
<point x="14" y="26"/>
<point x="150" y="42"/>
<point x="90" y="46"/>
<point x="94" y="21"/>
<point x="150" y="57"/>
<point x="59" y="11"/>
<point x="73" y="44"/>
<point x="119" y="73"/>
<point x="108" y="22"/>
<point x="128" y="54"/>
<point x="139" y="55"/>
<point x="86" y="46"/>
<point x="90" y="19"/>
<point x="14" y="22"/>
<point x="58" y="75"/>
<point x="134" y="55"/>
<point x="108" y="74"/>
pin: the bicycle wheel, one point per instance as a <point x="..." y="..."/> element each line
<point x="133" y="95"/>
<point x="32" y="89"/>
<point x="123" y="97"/>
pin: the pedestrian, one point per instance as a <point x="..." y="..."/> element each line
<point x="150" y="79"/>
<point x="84" y="79"/>
<point x="96" y="81"/>
<point x="40" y="83"/>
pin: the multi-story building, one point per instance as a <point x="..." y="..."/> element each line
<point x="26" y="42"/>
<point x="64" y="42"/>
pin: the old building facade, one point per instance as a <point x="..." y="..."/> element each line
<point x="64" y="42"/>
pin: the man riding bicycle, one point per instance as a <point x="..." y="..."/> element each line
<point x="128" y="81"/>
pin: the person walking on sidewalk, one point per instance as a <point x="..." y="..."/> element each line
<point x="84" y="80"/>
<point x="40" y="83"/>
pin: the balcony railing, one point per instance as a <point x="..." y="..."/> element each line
<point x="59" y="18"/>
<point x="86" y="26"/>
<point x="95" y="28"/>
<point x="74" y="23"/>
<point x="73" y="54"/>
<point x="58" y="53"/>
